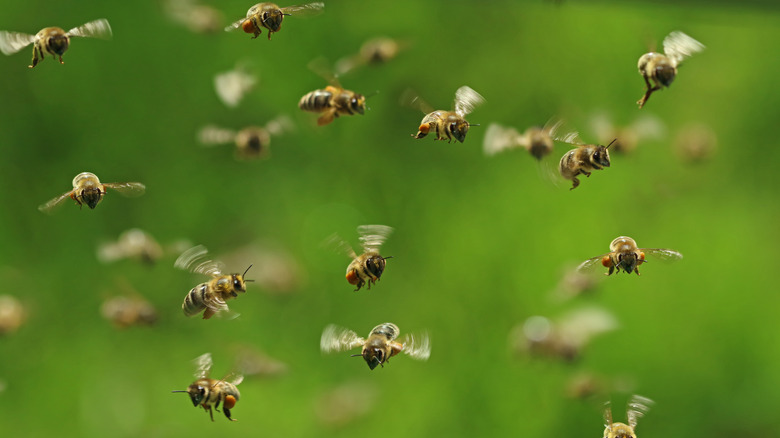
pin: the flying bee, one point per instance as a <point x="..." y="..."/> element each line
<point x="212" y="295"/>
<point x="51" y="40"/>
<point x="695" y="143"/>
<point x="637" y="407"/>
<point x="345" y="403"/>
<point x="624" y="255"/>
<point x="582" y="160"/>
<point x="380" y="345"/>
<point x="231" y="86"/>
<point x="366" y="268"/>
<point x="87" y="189"/>
<point x="373" y="52"/>
<point x="197" y="17"/>
<point x="270" y="16"/>
<point x="627" y="137"/>
<point x="662" y="69"/>
<point x="535" y="140"/>
<point x="446" y="124"/>
<point x="251" y="142"/>
<point x="334" y="100"/>
<point x="12" y="314"/>
<point x="135" y="244"/>
<point x="126" y="311"/>
<point x="208" y="392"/>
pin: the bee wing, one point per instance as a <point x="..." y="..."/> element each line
<point x="637" y="408"/>
<point x="234" y="378"/>
<point x="417" y="347"/>
<point x="345" y="65"/>
<point x="559" y="132"/>
<point x="577" y="328"/>
<point x="212" y="135"/>
<point x="235" y="25"/>
<point x="373" y="236"/>
<point x="590" y="263"/>
<point x="335" y="338"/>
<point x="129" y="189"/>
<point x="279" y="125"/>
<point x="667" y="255"/>
<point x="602" y="126"/>
<point x="607" y="413"/>
<point x="94" y="29"/>
<point x="306" y="10"/>
<point x="412" y="99"/>
<point x="339" y="245"/>
<point x="55" y="203"/>
<point x="12" y="42"/>
<point x="678" y="46"/>
<point x="499" y="138"/>
<point x="193" y="260"/>
<point x="202" y="365"/>
<point x="466" y="99"/>
<point x="322" y="68"/>
<point x="231" y="86"/>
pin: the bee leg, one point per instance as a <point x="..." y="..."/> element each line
<point x="227" y="414"/>
<point x="35" y="59"/>
<point x="208" y="313"/>
<point x="574" y="183"/>
<point x="61" y="61"/>
<point x="211" y="414"/>
<point x="327" y="117"/>
<point x="269" y="35"/>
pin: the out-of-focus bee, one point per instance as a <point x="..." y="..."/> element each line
<point x="624" y="255"/>
<point x="197" y="17"/>
<point x="366" y="268"/>
<point x="135" y="244"/>
<point x="12" y="315"/>
<point x="662" y="69"/>
<point x="535" y="140"/>
<point x="695" y="143"/>
<point x="636" y="409"/>
<point x="334" y="100"/>
<point x="446" y="124"/>
<point x="587" y="385"/>
<point x="252" y="362"/>
<point x="51" y="40"/>
<point x="345" y="403"/>
<point x="563" y="339"/>
<point x="87" y="189"/>
<point x="582" y="160"/>
<point x="252" y="142"/>
<point x="211" y="296"/>
<point x="208" y="392"/>
<point x="126" y="311"/>
<point x="270" y="16"/>
<point x="573" y="283"/>
<point x="231" y="86"/>
<point x="380" y="345"/>
<point x="373" y="52"/>
<point x="626" y="137"/>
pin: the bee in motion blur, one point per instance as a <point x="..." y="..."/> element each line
<point x="662" y="69"/>
<point x="208" y="392"/>
<point x="252" y="142"/>
<point x="695" y="143"/>
<point x="52" y="40"/>
<point x="210" y="297"/>
<point x="564" y="338"/>
<point x="197" y="17"/>
<point x="627" y="137"/>
<point x="133" y="244"/>
<point x="12" y="314"/>
<point x="582" y="160"/>
<point x="446" y="124"/>
<point x="270" y="16"/>
<point x="231" y="86"/>
<point x="624" y="255"/>
<point x="366" y="268"/>
<point x="535" y="140"/>
<point x="380" y="345"/>
<point x="334" y="100"/>
<point x="375" y="51"/>
<point x="636" y="409"/>
<point x="87" y="189"/>
<point x="127" y="311"/>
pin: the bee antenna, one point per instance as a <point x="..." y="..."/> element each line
<point x="247" y="270"/>
<point x="355" y="355"/>
<point x="287" y="14"/>
<point x="178" y="391"/>
<point x="610" y="143"/>
<point x="473" y="124"/>
<point x="388" y="257"/>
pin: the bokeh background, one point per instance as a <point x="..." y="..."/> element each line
<point x="480" y="242"/>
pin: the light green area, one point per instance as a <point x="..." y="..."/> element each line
<point x="479" y="242"/>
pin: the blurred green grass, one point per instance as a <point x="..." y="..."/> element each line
<point x="479" y="242"/>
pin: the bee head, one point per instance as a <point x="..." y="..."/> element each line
<point x="91" y="196"/>
<point x="58" y="43"/>
<point x="457" y="127"/>
<point x="376" y="265"/>
<point x="358" y="103"/>
<point x="601" y="155"/>
<point x="196" y="392"/>
<point x="273" y="19"/>
<point x="374" y="357"/>
<point x="628" y="262"/>
<point x="239" y="283"/>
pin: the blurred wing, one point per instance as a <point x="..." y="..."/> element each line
<point x="55" y="203"/>
<point x="94" y="29"/>
<point x="411" y="99"/>
<point x="212" y="135"/>
<point x="678" y="46"/>
<point x="417" y="347"/>
<point x="235" y="25"/>
<point x="234" y="378"/>
<point x="110" y="251"/>
<point x="590" y="263"/>
<point x="581" y="325"/>
<point x="559" y="132"/>
<point x="373" y="236"/>
<point x="202" y="365"/>
<point x="607" y="413"/>
<point x="667" y="255"/>
<point x="307" y="10"/>
<point x="637" y="408"/>
<point x="12" y="42"/>
<point x="129" y="189"/>
<point x="345" y="65"/>
<point x="335" y="338"/>
<point x="279" y="125"/>
<point x="602" y="126"/>
<point x="193" y="260"/>
<point x="466" y="100"/>
<point x="338" y="244"/>
<point x="499" y="138"/>
<point x="322" y="68"/>
<point x="232" y="86"/>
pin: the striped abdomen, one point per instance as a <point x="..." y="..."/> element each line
<point x="388" y="330"/>
<point x="316" y="101"/>
<point x="196" y="299"/>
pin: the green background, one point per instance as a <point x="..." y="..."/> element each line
<point x="479" y="242"/>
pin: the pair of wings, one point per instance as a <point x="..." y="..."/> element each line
<point x="203" y="365"/>
<point x="194" y="260"/>
<point x="371" y="238"/>
<point x="466" y="99"/>
<point x="128" y="189"/>
<point x="637" y="408"/>
<point x="212" y="135"/>
<point x="667" y="255"/>
<point x="305" y="10"/>
<point x="499" y="138"/>
<point x="335" y="339"/>
<point x="678" y="46"/>
<point x="12" y="42"/>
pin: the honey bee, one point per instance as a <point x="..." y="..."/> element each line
<point x="447" y="124"/>
<point x="662" y="69"/>
<point x="270" y="16"/>
<point x="380" y="345"/>
<point x="366" y="268"/>
<point x="334" y="100"/>
<point x="624" y="254"/>
<point x="126" y="311"/>
<point x="627" y="137"/>
<point x="637" y="407"/>
<point x="252" y="142"/>
<point x="535" y="140"/>
<point x="52" y="40"/>
<point x="373" y="52"/>
<point x="695" y="143"/>
<point x="207" y="392"/>
<point x="211" y="296"/>
<point x="231" y="86"/>
<point x="87" y="189"/>
<point x="198" y="18"/>
<point x="582" y="160"/>
<point x="12" y="314"/>
<point x="134" y="243"/>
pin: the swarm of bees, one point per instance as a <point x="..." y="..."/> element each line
<point x="624" y="255"/>
<point x="366" y="268"/>
<point x="52" y="40"/>
<point x="379" y="346"/>
<point x="270" y="16"/>
<point x="661" y="69"/>
<point x="636" y="409"/>
<point x="87" y="189"/>
<point x="207" y="392"/>
<point x="252" y="142"/>
<point x="446" y="124"/>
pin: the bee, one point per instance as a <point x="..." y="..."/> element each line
<point x="380" y="345"/>
<point x="212" y="295"/>
<point x="535" y="140"/>
<point x="207" y="392"/>
<point x="12" y="314"/>
<point x="582" y="160"/>
<point x="662" y="69"/>
<point x="51" y="40"/>
<point x="270" y="16"/>
<point x="373" y="52"/>
<point x="231" y="86"/>
<point x="126" y="311"/>
<point x="627" y="137"/>
<point x="87" y="189"/>
<point x="334" y="100"/>
<point x="252" y="142"/>
<point x="134" y="243"/>
<point x="366" y="268"/>
<point x="198" y="18"/>
<point x="624" y="254"/>
<point x="695" y="143"/>
<point x="447" y="124"/>
<point x="637" y="407"/>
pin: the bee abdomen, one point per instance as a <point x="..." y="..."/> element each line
<point x="388" y="330"/>
<point x="316" y="101"/>
<point x="195" y="301"/>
